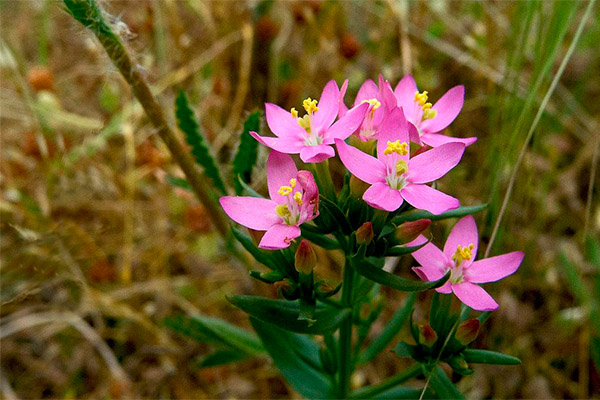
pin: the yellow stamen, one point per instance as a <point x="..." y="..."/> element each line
<point x="294" y="112"/>
<point x="463" y="253"/>
<point x="304" y="122"/>
<point x="373" y="102"/>
<point x="396" y="147"/>
<point x="283" y="211"/>
<point x="429" y="114"/>
<point x="293" y="182"/>
<point x="298" y="198"/>
<point x="284" y="190"/>
<point x="421" y="98"/>
<point x="401" y="167"/>
<point x="310" y="105"/>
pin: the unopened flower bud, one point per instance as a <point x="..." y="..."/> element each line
<point x="305" y="259"/>
<point x="427" y="335"/>
<point x="409" y="231"/>
<point x="364" y="234"/>
<point x="459" y="365"/>
<point x="357" y="187"/>
<point x="467" y="331"/>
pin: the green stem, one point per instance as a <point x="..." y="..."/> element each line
<point x="323" y="177"/>
<point x="345" y="353"/>
<point x="390" y="383"/>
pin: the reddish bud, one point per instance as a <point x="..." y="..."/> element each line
<point x="40" y="78"/>
<point x="409" y="231"/>
<point x="283" y="285"/>
<point x="427" y="335"/>
<point x="349" y="45"/>
<point x="364" y="234"/>
<point x="467" y="331"/>
<point x="305" y="259"/>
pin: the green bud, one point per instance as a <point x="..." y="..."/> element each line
<point x="459" y="365"/>
<point x="409" y="231"/>
<point x="467" y="331"/>
<point x="305" y="259"/>
<point x="364" y="234"/>
<point x="427" y="335"/>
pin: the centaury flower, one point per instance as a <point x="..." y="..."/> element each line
<point x="294" y="200"/>
<point x="458" y="257"/>
<point x="394" y="176"/>
<point x="312" y="134"/>
<point x="427" y="118"/>
<point x="381" y="101"/>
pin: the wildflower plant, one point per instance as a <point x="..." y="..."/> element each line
<point x="316" y="331"/>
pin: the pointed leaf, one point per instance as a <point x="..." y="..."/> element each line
<point x="246" y="156"/>
<point x="332" y="217"/>
<point x="404" y="349"/>
<point x="320" y="239"/>
<point x="221" y="357"/>
<point x="186" y="121"/>
<point x="489" y="357"/>
<point x="181" y="183"/>
<point x="442" y="385"/>
<point x="422" y="214"/>
<point x="397" y="251"/>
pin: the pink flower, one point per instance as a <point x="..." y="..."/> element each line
<point x="381" y="101"/>
<point x="312" y="134"/>
<point x="458" y="257"/>
<point x="394" y="177"/>
<point x="430" y="119"/>
<point x="294" y="200"/>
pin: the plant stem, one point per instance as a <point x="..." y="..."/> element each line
<point x="323" y="177"/>
<point x="389" y="383"/>
<point x="345" y="353"/>
<point x="88" y="13"/>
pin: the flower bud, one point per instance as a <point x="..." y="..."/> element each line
<point x="409" y="231"/>
<point x="467" y="331"/>
<point x="459" y="365"/>
<point x="305" y="259"/>
<point x="427" y="335"/>
<point x="364" y="234"/>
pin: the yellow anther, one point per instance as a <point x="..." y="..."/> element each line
<point x="294" y="112"/>
<point x="401" y="167"/>
<point x="310" y="105"/>
<point x="283" y="211"/>
<point x="304" y="122"/>
<point x="375" y="104"/>
<point x="298" y="198"/>
<point x="284" y="190"/>
<point x="421" y="98"/>
<point x="293" y="182"/>
<point x="463" y="253"/>
<point x="429" y="114"/>
<point x="396" y="147"/>
<point x="426" y="106"/>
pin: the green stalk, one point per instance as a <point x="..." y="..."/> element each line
<point x="390" y="383"/>
<point x="323" y="178"/>
<point x="345" y="353"/>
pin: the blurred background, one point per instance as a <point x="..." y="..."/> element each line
<point x="97" y="247"/>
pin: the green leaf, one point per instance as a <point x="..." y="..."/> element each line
<point x="284" y="313"/>
<point x="442" y="385"/>
<point x="489" y="357"/>
<point x="221" y="357"/>
<point x="320" y="239"/>
<point x="297" y="357"/>
<point x="245" y="188"/>
<point x="369" y="271"/>
<point x="181" y="183"/>
<point x="397" y="251"/>
<point x="404" y="349"/>
<point x="216" y="330"/>
<point x="332" y="217"/>
<point x="246" y="156"/>
<point x="422" y="214"/>
<point x="400" y="392"/>
<point x="187" y="123"/>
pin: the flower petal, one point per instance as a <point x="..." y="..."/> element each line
<point x="342" y="106"/>
<point x="434" y="163"/>
<point x="386" y="94"/>
<point x="427" y="198"/>
<point x="286" y="144"/>
<point x="445" y="288"/>
<point x="383" y="197"/>
<point x="405" y="96"/>
<point x="463" y="234"/>
<point x="281" y="122"/>
<point x="436" y="139"/>
<point x="279" y="237"/>
<point x="252" y="212"/>
<point x="447" y="107"/>
<point x="474" y="296"/>
<point x="365" y="167"/>
<point x="280" y="169"/>
<point x="368" y="90"/>
<point x="346" y="125"/>
<point x="494" y="268"/>
<point x="329" y="105"/>
<point x="394" y="127"/>
<point x="432" y="260"/>
<point x="310" y="200"/>
<point x="316" y="154"/>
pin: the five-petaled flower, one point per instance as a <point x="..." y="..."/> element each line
<point x="311" y="135"/>
<point x="458" y="257"/>
<point x="427" y="118"/>
<point x="394" y="176"/>
<point x="381" y="101"/>
<point x="294" y="200"/>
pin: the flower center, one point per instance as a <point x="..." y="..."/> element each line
<point x="462" y="253"/>
<point x="289" y="212"/>
<point x="310" y="106"/>
<point x="421" y="100"/>
<point x="396" y="168"/>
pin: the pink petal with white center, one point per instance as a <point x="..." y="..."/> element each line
<point x="316" y="154"/>
<point x="394" y="127"/>
<point x="365" y="167"/>
<point x="434" y="163"/>
<point x="342" y="106"/>
<point x="405" y="96"/>
<point x="463" y="234"/>
<point x="280" y="169"/>
<point x="281" y="122"/>
<point x="436" y="139"/>
<point x="368" y="90"/>
<point x="329" y="105"/>
<point x="383" y="197"/>
<point x="494" y="268"/>
<point x="279" y="237"/>
<point x="447" y="109"/>
<point x="427" y="198"/>
<point x="286" y="144"/>
<point x="474" y="296"/>
<point x="252" y="212"/>
<point x="346" y="125"/>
